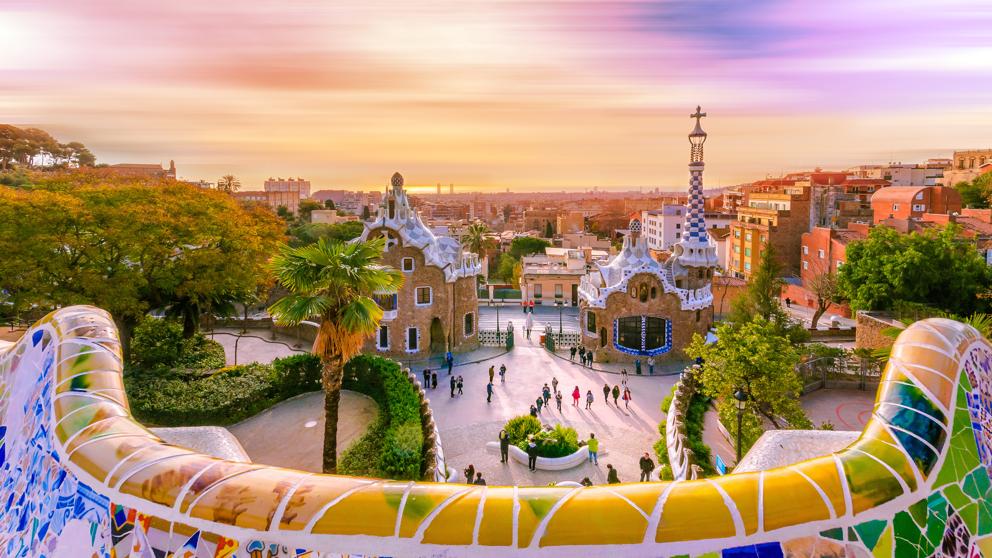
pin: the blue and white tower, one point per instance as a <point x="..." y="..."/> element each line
<point x="694" y="256"/>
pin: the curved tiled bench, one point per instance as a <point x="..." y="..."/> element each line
<point x="80" y="477"/>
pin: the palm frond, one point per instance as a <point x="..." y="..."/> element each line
<point x="295" y="308"/>
<point x="360" y="316"/>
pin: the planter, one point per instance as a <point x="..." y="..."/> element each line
<point x="548" y="463"/>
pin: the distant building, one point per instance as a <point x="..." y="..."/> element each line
<point x="538" y="219"/>
<point x="582" y="240"/>
<point x="777" y="215"/>
<point x="298" y="185"/>
<point x="145" y="170"/>
<point x="911" y="202"/>
<point x="568" y="222"/>
<point x="437" y="307"/>
<point x="556" y="274"/>
<point x="330" y="217"/>
<point x="899" y="174"/>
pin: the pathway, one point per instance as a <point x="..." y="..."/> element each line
<point x="257" y="345"/>
<point x="467" y="422"/>
<point x="291" y="434"/>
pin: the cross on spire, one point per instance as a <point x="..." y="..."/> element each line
<point x="699" y="114"/>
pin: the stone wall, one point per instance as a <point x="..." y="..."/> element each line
<point x="620" y="304"/>
<point x="869" y="330"/>
<point x="681" y="459"/>
<point x="449" y="304"/>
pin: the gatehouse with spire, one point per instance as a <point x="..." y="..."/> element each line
<point x="634" y="307"/>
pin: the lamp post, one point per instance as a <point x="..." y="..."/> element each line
<point x="741" y="398"/>
<point x="497" y="305"/>
<point x="561" y="306"/>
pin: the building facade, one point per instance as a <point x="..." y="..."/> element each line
<point x="634" y="307"/>
<point x="778" y="218"/>
<point x="556" y="274"/>
<point x="911" y="202"/>
<point x="436" y="310"/>
<point x="144" y="170"/>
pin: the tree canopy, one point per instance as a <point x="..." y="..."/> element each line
<point x="526" y="245"/>
<point x="758" y="359"/>
<point x="31" y="147"/>
<point x="761" y="299"/>
<point x="976" y="193"/>
<point x="129" y="245"/>
<point x="937" y="267"/>
<point x="308" y="233"/>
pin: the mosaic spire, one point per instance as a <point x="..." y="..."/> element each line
<point x="695" y="222"/>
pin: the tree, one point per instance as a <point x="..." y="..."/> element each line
<point x="937" y="267"/>
<point x="329" y="204"/>
<point x="129" y="245"/>
<point x="366" y="214"/>
<point x="976" y="193"/>
<point x="526" y="245"/>
<point x="335" y="283"/>
<point x="761" y="299"/>
<point x="549" y="230"/>
<point x="826" y="288"/>
<point x="308" y="233"/>
<point x="306" y="208"/>
<point x="507" y="212"/>
<point x="759" y="360"/>
<point x="30" y="147"/>
<point x="284" y="212"/>
<point x="475" y="238"/>
<point x="229" y="183"/>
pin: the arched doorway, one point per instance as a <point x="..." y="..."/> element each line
<point x="438" y="340"/>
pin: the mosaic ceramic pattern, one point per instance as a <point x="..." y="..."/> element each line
<point x="81" y="478"/>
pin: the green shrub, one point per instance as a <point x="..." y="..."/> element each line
<point x="298" y="373"/>
<point x="557" y="442"/>
<point x="156" y="342"/>
<point x="200" y="353"/>
<point x="519" y="428"/>
<point x="694" y="418"/>
<point x="395" y="448"/>
<point x="228" y="396"/>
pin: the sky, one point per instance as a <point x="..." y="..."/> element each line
<point x="497" y="94"/>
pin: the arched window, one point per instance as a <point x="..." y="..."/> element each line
<point x="642" y="335"/>
<point x="644" y="293"/>
<point x="602" y="337"/>
<point x="590" y="321"/>
<point x="654" y="293"/>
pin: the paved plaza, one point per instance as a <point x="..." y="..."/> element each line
<point x="467" y="422"/>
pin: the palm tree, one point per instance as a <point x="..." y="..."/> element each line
<point x="475" y="238"/>
<point x="335" y="283"/>
<point x="229" y="183"/>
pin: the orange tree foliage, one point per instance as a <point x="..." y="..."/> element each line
<point x="129" y="245"/>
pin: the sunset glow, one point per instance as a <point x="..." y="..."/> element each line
<point x="520" y="95"/>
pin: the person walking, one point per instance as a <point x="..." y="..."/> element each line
<point x="492" y="373"/>
<point x="558" y="400"/>
<point x="546" y="394"/>
<point x="593" y="445"/>
<point x="454" y="384"/>
<point x="788" y="302"/>
<point x="469" y="474"/>
<point x="571" y="353"/>
<point x="623" y="377"/>
<point x="651" y="365"/>
<point x="589" y="355"/>
<point x="489" y="392"/>
<point x="528" y="324"/>
<point x="647" y="465"/>
<point x="461" y="384"/>
<point x="637" y="366"/>
<point x="611" y="476"/>
<point x="533" y="411"/>
<point x="433" y="379"/>
<point x="502" y="373"/>
<point x="554" y="383"/>
<point x="616" y="395"/>
<point x="589" y="399"/>
<point x="531" y="453"/>
<point x="606" y="394"/>
<point x="450" y="359"/>
<point x="576" y="394"/>
<point x="479" y="480"/>
<point x="504" y="446"/>
<point x="539" y="402"/>
<point x="427" y="378"/>
<point x="582" y="355"/>
<point x="626" y="398"/>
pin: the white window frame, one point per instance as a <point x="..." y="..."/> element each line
<point x="416" y="296"/>
<point x="895" y="207"/>
<point x="406" y="340"/>
<point x="919" y="207"/>
<point x="805" y="250"/>
<point x="820" y="253"/>
<point x="378" y="338"/>
<point x="474" y="325"/>
<point x="805" y="265"/>
<point x="413" y="265"/>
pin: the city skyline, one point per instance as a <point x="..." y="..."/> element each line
<point x="527" y="96"/>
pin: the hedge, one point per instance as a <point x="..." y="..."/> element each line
<point x="195" y="397"/>
<point x="694" y="433"/>
<point x="555" y="442"/>
<point x="393" y="446"/>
